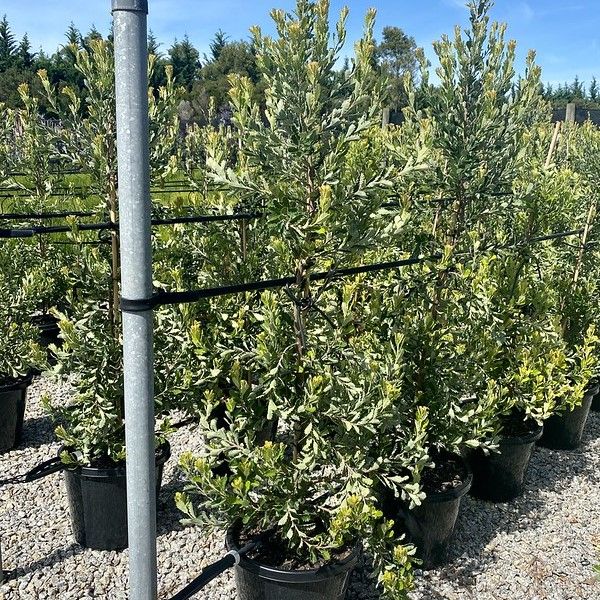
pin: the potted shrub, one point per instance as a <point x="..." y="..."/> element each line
<point x="327" y="391"/>
<point x="532" y="367"/>
<point x="476" y="124"/>
<point x="20" y="355"/>
<point x="91" y="427"/>
<point x="580" y="156"/>
<point x="529" y="370"/>
<point x="571" y="272"/>
<point x="564" y="429"/>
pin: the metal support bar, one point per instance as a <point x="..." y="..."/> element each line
<point x="131" y="65"/>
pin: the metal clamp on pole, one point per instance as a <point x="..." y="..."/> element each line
<point x="141" y="305"/>
<point x="131" y="93"/>
<point x="140" y="6"/>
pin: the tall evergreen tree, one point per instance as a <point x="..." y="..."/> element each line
<point x="396" y="55"/>
<point x="594" y="90"/>
<point x="26" y="57"/>
<point x="153" y="45"/>
<point x="214" y="77"/>
<point x="218" y="43"/>
<point x="92" y="35"/>
<point x="577" y="90"/>
<point x="8" y="45"/>
<point x="73" y="35"/>
<point x="158" y="76"/>
<point x="186" y="62"/>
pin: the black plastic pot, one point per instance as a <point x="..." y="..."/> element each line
<point x="430" y="526"/>
<point x="255" y="581"/>
<point x="564" y="431"/>
<point x="499" y="476"/>
<point x="49" y="329"/>
<point x="98" y="503"/>
<point x="49" y="332"/>
<point x="596" y="400"/>
<point x="13" y="397"/>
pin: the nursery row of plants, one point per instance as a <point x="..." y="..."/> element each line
<point x="340" y="414"/>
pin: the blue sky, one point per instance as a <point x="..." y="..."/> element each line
<point x="565" y="33"/>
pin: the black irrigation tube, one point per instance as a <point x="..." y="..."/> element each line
<point x="207" y="219"/>
<point x="31" y="231"/>
<point x="186" y="297"/>
<point x="166" y="298"/>
<point x="27" y="232"/>
<point x="45" y="215"/>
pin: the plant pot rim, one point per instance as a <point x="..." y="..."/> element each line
<point x="523" y="439"/>
<point x="288" y="576"/>
<point x="16" y="384"/>
<point x="592" y="389"/>
<point x="163" y="453"/>
<point x="456" y="492"/>
<point x="44" y="317"/>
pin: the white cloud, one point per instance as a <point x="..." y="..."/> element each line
<point x="527" y="13"/>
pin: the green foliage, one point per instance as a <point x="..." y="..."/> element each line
<point x="31" y="154"/>
<point x="93" y="424"/>
<point x="20" y="351"/>
<point x="301" y="163"/>
<point x="227" y="58"/>
<point x="479" y="117"/>
<point x="90" y="360"/>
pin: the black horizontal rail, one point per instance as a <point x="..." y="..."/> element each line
<point x="15" y="216"/>
<point x="162" y="298"/>
<point x="27" y="232"/>
<point x="163" y="221"/>
<point x="207" y="218"/>
<point x="554" y="236"/>
<point x="31" y="231"/>
<point x="166" y="298"/>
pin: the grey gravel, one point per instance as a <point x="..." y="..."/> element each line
<point x="539" y="547"/>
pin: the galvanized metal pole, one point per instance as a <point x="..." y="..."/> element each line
<point x="131" y="76"/>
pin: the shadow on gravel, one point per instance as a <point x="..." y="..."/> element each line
<point x="362" y="586"/>
<point x="37" y="432"/>
<point x="480" y="522"/>
<point x="169" y="516"/>
<point x="48" y="561"/>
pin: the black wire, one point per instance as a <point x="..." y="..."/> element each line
<point x="207" y="218"/>
<point x="168" y="298"/>
<point x="47" y="215"/>
<point x="31" y="231"/>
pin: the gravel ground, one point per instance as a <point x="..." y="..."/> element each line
<point x="539" y="547"/>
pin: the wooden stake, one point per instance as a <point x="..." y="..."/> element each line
<point x="553" y="144"/>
